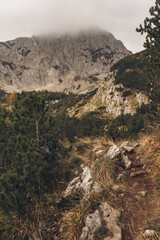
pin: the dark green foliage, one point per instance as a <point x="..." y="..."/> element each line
<point x="126" y="93"/>
<point x="91" y="125"/>
<point x="2" y="95"/>
<point x="33" y="162"/>
<point x="151" y="28"/>
<point x="131" y="71"/>
<point x="88" y="125"/>
<point x="135" y="124"/>
<point x="31" y="157"/>
<point x="125" y="126"/>
<point x="113" y="130"/>
<point x="66" y="126"/>
<point x="70" y="201"/>
<point x="29" y="147"/>
<point x="144" y="109"/>
<point x="120" y="89"/>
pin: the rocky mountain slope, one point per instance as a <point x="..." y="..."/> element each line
<point x="76" y="63"/>
<point x="122" y="92"/>
<point x="111" y="100"/>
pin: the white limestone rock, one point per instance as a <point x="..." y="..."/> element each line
<point x="92" y="223"/>
<point x="141" y="98"/>
<point x="111" y="100"/>
<point x="109" y="216"/>
<point x="72" y="186"/>
<point x="83" y="183"/>
<point x="116" y="188"/>
<point x="126" y="147"/>
<point x="126" y="161"/>
<point x="149" y="234"/>
<point x="114" y="152"/>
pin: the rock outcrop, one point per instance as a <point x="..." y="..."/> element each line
<point x="109" y="100"/>
<point x="83" y="183"/>
<point x="149" y="234"/>
<point x="76" y="63"/>
<point x="108" y="216"/>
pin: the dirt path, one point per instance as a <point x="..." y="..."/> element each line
<point x="140" y="201"/>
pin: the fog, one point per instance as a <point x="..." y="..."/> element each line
<point x="33" y="17"/>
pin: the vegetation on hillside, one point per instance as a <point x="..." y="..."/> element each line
<point x="33" y="160"/>
<point x="151" y="28"/>
<point x="131" y="71"/>
<point x="128" y="126"/>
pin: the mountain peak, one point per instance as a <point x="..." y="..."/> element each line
<point x="70" y="62"/>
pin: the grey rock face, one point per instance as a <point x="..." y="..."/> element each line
<point x="149" y="234"/>
<point x="114" y="152"/>
<point x="93" y="222"/>
<point x="83" y="183"/>
<point x="68" y="63"/>
<point x="112" y="100"/>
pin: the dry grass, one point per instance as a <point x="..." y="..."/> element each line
<point x="73" y="221"/>
<point x="151" y="151"/>
<point x="104" y="171"/>
<point x="141" y="237"/>
<point x="36" y="224"/>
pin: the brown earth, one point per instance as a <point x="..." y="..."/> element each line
<point x="140" y="203"/>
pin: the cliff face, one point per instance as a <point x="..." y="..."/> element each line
<point x="67" y="63"/>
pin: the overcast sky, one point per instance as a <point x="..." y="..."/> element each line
<point x="32" y="17"/>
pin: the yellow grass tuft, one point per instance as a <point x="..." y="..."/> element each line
<point x="104" y="171"/>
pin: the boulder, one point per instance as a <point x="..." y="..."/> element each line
<point x="126" y="161"/>
<point x="108" y="216"/>
<point x="72" y="186"/>
<point x="114" y="152"/>
<point x="116" y="188"/>
<point x="92" y="223"/>
<point x="149" y="234"/>
<point x="83" y="183"/>
<point x="142" y="193"/>
<point x="100" y="151"/>
<point x="125" y="147"/>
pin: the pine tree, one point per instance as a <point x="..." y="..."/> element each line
<point x="151" y="28"/>
<point x="28" y="157"/>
